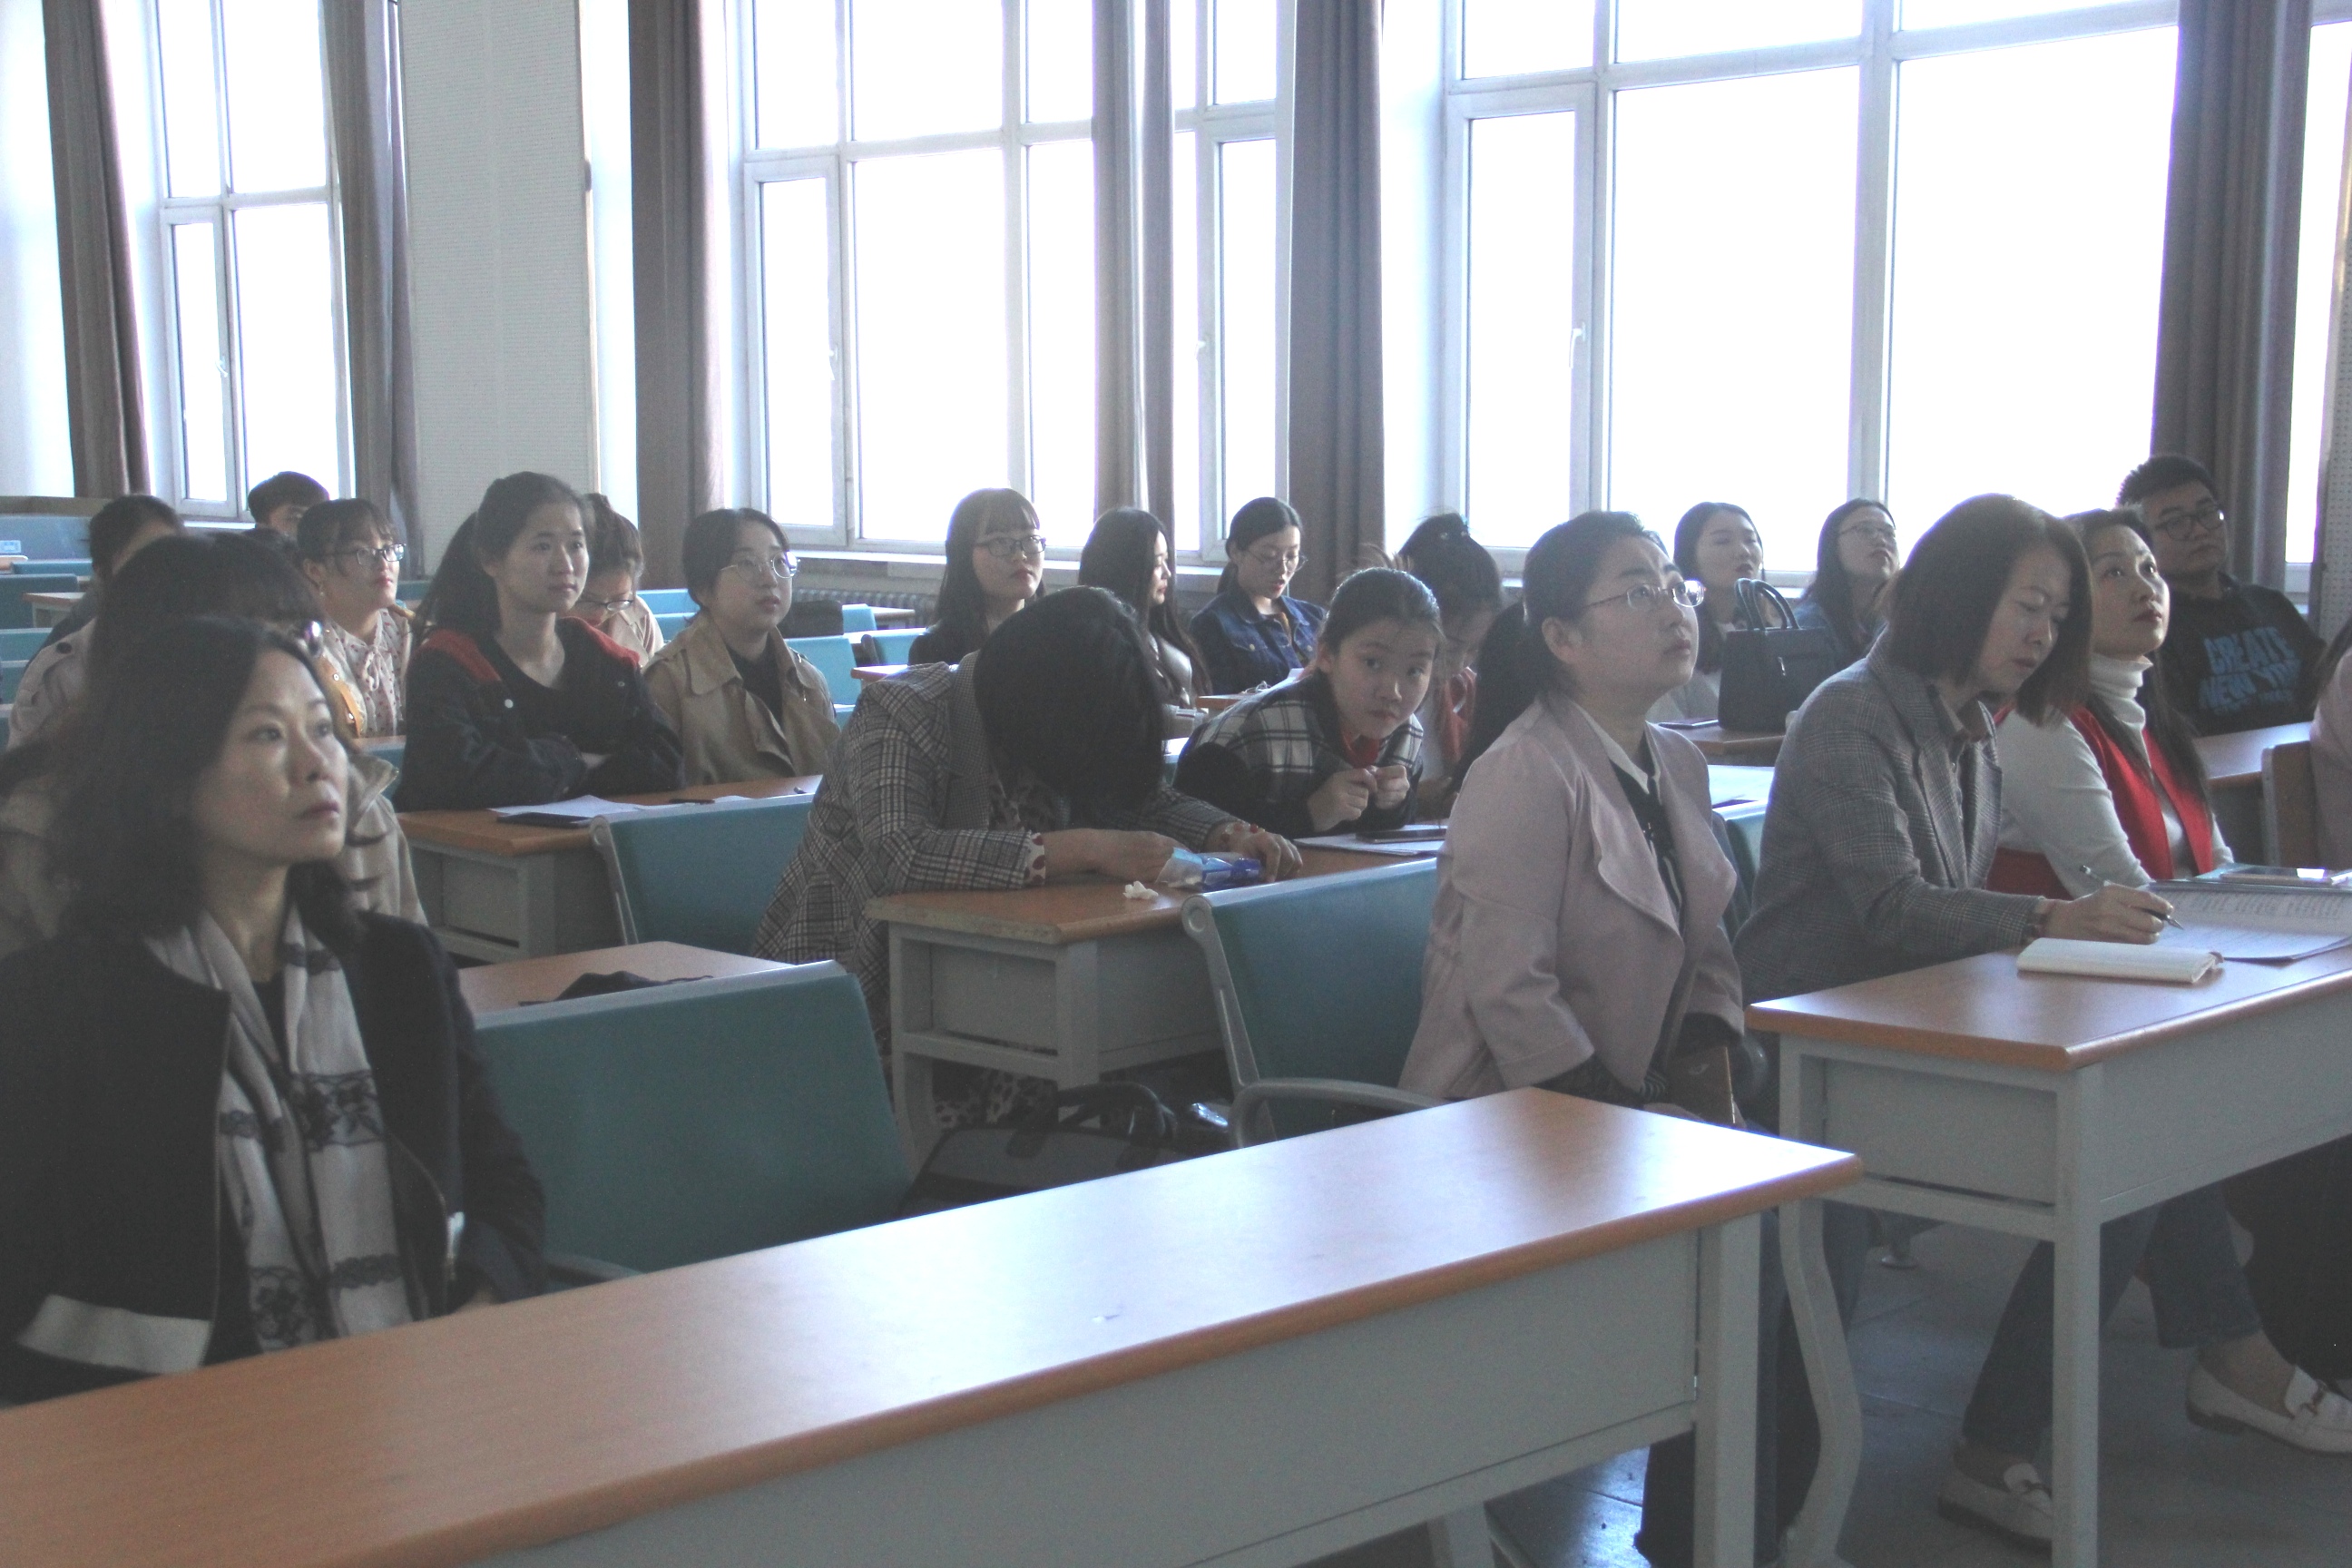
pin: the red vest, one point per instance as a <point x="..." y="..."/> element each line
<point x="2136" y="807"/>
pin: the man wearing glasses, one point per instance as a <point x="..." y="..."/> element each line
<point x="2237" y="653"/>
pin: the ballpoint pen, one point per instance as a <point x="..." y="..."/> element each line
<point x="2091" y="876"/>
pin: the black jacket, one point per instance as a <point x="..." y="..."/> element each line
<point x="109" y="1087"/>
<point x="469" y="747"/>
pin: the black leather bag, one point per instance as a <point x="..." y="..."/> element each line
<point x="1770" y="665"/>
<point x="1100" y="1130"/>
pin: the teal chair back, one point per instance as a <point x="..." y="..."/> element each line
<point x="667" y="601"/>
<point x="893" y="646"/>
<point x="671" y="624"/>
<point x="835" y="659"/>
<point x="857" y="619"/>
<point x="15" y="586"/>
<point x="1320" y="977"/>
<point x="412" y="589"/>
<point x="702" y="877"/>
<point x="22" y="642"/>
<point x="700" y="1119"/>
<point x="11" y="675"/>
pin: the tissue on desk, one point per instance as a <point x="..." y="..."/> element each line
<point x="1139" y="892"/>
<point x="1188" y="871"/>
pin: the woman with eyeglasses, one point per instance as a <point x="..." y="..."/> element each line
<point x="352" y="560"/>
<point x="745" y="705"/>
<point x="608" y="600"/>
<point x="1253" y="633"/>
<point x="1853" y="578"/>
<point x="996" y="565"/>
<point x="511" y="702"/>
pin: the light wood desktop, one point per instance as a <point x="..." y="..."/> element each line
<point x="2045" y="1106"/>
<point x="496" y="891"/>
<point x="893" y="616"/>
<point x="48" y="609"/>
<point x="2233" y="772"/>
<point x="1719" y="744"/>
<point x="1066" y="981"/>
<point x="495" y="987"/>
<point x="1258" y="1358"/>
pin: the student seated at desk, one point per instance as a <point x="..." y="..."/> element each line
<point x="1038" y="760"/>
<point x="1854" y="576"/>
<point x="1253" y="633"/>
<point x="996" y="565"/>
<point x="1880" y="835"/>
<point x="1468" y="587"/>
<point x="511" y="702"/>
<point x="1716" y="545"/>
<point x="277" y="505"/>
<point x="121" y="529"/>
<point x="237" y="1115"/>
<point x="351" y="556"/>
<point x="608" y="600"/>
<point x="1129" y="554"/>
<point x="1338" y="749"/>
<point x="744" y="704"/>
<point x="192" y="575"/>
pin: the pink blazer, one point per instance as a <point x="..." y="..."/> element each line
<point x="1553" y="939"/>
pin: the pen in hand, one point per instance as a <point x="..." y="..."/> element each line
<point x="2090" y="876"/>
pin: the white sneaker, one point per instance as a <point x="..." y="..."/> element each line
<point x="2018" y="1511"/>
<point x="2315" y="1417"/>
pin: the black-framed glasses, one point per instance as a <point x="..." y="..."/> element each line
<point x="2208" y="518"/>
<point x="764" y="568"/>
<point x="606" y="607"/>
<point x="1876" y="532"/>
<point x="384" y="554"/>
<point x="1016" y="546"/>
<point x="1650" y="596"/>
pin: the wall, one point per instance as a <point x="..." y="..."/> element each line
<point x="35" y="450"/>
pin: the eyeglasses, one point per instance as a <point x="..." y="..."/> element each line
<point x="1876" y="532"/>
<point x="360" y="555"/>
<point x="1286" y="561"/>
<point x="1649" y="597"/>
<point x="764" y="568"/>
<point x="590" y="602"/>
<point x="2206" y="519"/>
<point x="1016" y="546"/>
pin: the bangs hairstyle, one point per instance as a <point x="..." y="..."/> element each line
<point x="711" y="540"/>
<point x="462" y="596"/>
<point x="332" y="526"/>
<point x="1375" y="594"/>
<point x="1067" y="690"/>
<point x="1687" y="533"/>
<point x="1455" y="566"/>
<point x="116" y="524"/>
<point x="125" y="839"/>
<point x="225" y="574"/>
<point x="1117" y="559"/>
<point x="1947" y="593"/>
<point x="613" y="545"/>
<point x="963" y="603"/>
<point x="1256" y="520"/>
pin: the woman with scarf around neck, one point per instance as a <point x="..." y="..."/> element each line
<point x="312" y="1149"/>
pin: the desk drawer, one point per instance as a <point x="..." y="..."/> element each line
<point x="1965" y="1134"/>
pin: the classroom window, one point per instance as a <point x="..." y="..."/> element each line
<point x="247" y="231"/>
<point x="2323" y="175"/>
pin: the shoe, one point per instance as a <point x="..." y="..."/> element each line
<point x="2316" y="1417"/>
<point x="2018" y="1511"/>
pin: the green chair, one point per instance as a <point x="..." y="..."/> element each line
<point x="703" y="876"/>
<point x="666" y="601"/>
<point x="891" y="646"/>
<point x="12" y="674"/>
<point x="699" y="1120"/>
<point x="22" y="642"/>
<point x="671" y="624"/>
<point x="14" y="586"/>
<point x="1318" y="987"/>
<point x="857" y="619"/>
<point x="835" y="659"/>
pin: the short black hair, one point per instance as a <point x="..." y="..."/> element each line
<point x="118" y="523"/>
<point x="338" y="525"/>
<point x="283" y="489"/>
<point x="2165" y="472"/>
<point x="1065" y="689"/>
<point x="1375" y="594"/>
<point x="1457" y="567"/>
<point x="229" y="574"/>
<point x="1946" y="594"/>
<point x="613" y="542"/>
<point x="709" y="544"/>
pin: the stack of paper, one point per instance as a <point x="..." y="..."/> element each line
<point x="2264" y="924"/>
<point x="2178" y="965"/>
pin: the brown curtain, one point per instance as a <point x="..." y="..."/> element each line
<point x="678" y="142"/>
<point x="363" y="91"/>
<point x="1336" y="479"/>
<point x="2225" y="337"/>
<point x="104" y="409"/>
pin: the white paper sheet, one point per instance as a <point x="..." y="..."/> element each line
<point x="1409" y="850"/>
<point x="2263" y="925"/>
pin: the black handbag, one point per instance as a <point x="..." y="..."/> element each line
<point x="1770" y="665"/>
<point x="1100" y="1130"/>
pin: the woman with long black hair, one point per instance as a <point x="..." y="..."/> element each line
<point x="1132" y="555"/>
<point x="996" y="565"/>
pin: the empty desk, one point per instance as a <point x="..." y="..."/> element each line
<point x="2233" y="772"/>
<point x="495" y="987"/>
<point x="1254" y="1359"/>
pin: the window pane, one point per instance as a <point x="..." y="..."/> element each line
<point x="1061" y="59"/>
<point x="2029" y="238"/>
<point x="1186" y="243"/>
<point x="1662" y="29"/>
<point x="191" y="123"/>
<point x="1184" y="54"/>
<point x="1507" y="38"/>
<point x="204" y="407"/>
<point x="1062" y="337"/>
<point x="2322" y="172"/>
<point x="1951" y="13"/>
<point x="1245" y="273"/>
<point x="930" y="338"/>
<point x="1522" y="324"/>
<point x="921" y="67"/>
<point x="1244" y="45"/>
<point x="277" y="94"/>
<point x="1731" y="340"/>
<point x="796" y="323"/>
<point x="793" y="65"/>
<point x="286" y="341"/>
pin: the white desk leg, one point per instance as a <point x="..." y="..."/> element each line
<point x="2074" y="1407"/>
<point x="1461" y="1540"/>
<point x="1811" y="1541"/>
<point x="1723" y="1516"/>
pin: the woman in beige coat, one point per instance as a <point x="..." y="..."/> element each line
<point x="745" y="705"/>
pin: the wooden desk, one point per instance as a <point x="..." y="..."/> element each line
<point x="48" y="609"/>
<point x="1067" y="982"/>
<point x="495" y="987"/>
<point x="2234" y="769"/>
<point x="893" y="616"/>
<point x="2047" y="1105"/>
<point x="495" y="891"/>
<point x="873" y="672"/>
<point x="1721" y="745"/>
<point x="1258" y="1358"/>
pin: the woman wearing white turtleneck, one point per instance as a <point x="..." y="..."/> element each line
<point x="2113" y="791"/>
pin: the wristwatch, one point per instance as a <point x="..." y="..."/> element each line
<point x="2039" y="923"/>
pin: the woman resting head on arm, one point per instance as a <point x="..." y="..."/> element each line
<point x="211" y="956"/>
<point x="1339" y="748"/>
<point x="2111" y="789"/>
<point x="996" y="565"/>
<point x="1253" y="633"/>
<point x="1716" y="545"/>
<point x="1854" y="574"/>
<point x="1468" y="587"/>
<point x="1131" y="553"/>
<point x="351" y="556"/>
